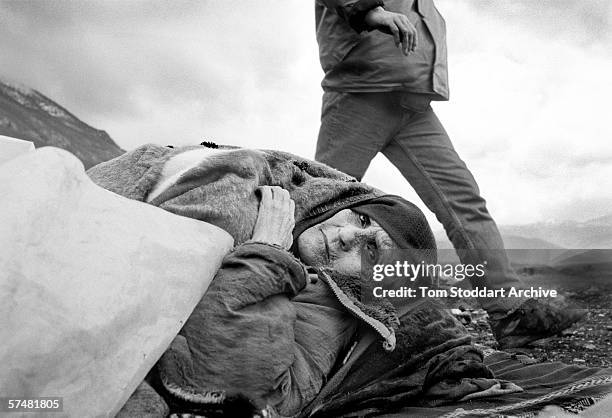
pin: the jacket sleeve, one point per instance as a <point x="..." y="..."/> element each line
<point x="254" y="272"/>
<point x="240" y="338"/>
<point x="353" y="11"/>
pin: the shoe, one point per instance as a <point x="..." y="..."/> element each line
<point x="532" y="321"/>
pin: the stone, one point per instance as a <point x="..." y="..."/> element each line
<point x="479" y="315"/>
<point x="601" y="409"/>
<point x="13" y="147"/>
<point x="553" y="411"/>
<point x="543" y="342"/>
<point x="93" y="286"/>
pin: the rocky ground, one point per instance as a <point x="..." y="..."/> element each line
<point x="588" y="343"/>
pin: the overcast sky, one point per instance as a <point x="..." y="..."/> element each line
<point x="530" y="85"/>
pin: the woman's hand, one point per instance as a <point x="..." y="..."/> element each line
<point x="275" y="220"/>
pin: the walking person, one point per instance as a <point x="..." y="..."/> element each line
<point x="384" y="63"/>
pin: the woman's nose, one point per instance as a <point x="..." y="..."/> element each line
<point x="348" y="236"/>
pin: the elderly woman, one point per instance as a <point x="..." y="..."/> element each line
<point x="273" y="334"/>
<point x="268" y="329"/>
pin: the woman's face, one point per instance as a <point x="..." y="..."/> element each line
<point x="338" y="243"/>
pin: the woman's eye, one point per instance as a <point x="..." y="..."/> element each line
<point x="371" y="251"/>
<point x="364" y="220"/>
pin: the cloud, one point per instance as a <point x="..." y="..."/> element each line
<point x="131" y="60"/>
<point x="527" y="112"/>
<point x="584" y="22"/>
<point x="529" y="85"/>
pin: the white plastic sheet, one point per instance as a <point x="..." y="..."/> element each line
<point x="12" y="147"/>
<point x="93" y="286"/>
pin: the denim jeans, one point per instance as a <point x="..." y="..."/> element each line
<point x="404" y="127"/>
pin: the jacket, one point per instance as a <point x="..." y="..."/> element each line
<point x="252" y="336"/>
<point x="359" y="61"/>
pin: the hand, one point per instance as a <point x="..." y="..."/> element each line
<point x="396" y="24"/>
<point x="275" y="220"/>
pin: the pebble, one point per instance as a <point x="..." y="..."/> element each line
<point x="544" y="342"/>
<point x="479" y="315"/>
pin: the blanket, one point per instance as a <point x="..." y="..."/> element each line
<point x="572" y="388"/>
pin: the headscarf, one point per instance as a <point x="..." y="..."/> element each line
<point x="402" y="220"/>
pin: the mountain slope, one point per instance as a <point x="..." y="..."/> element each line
<point x="510" y="242"/>
<point x="520" y="250"/>
<point x="28" y="114"/>
<point x="596" y="233"/>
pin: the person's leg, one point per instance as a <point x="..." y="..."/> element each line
<point x="424" y="154"/>
<point x="354" y="127"/>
